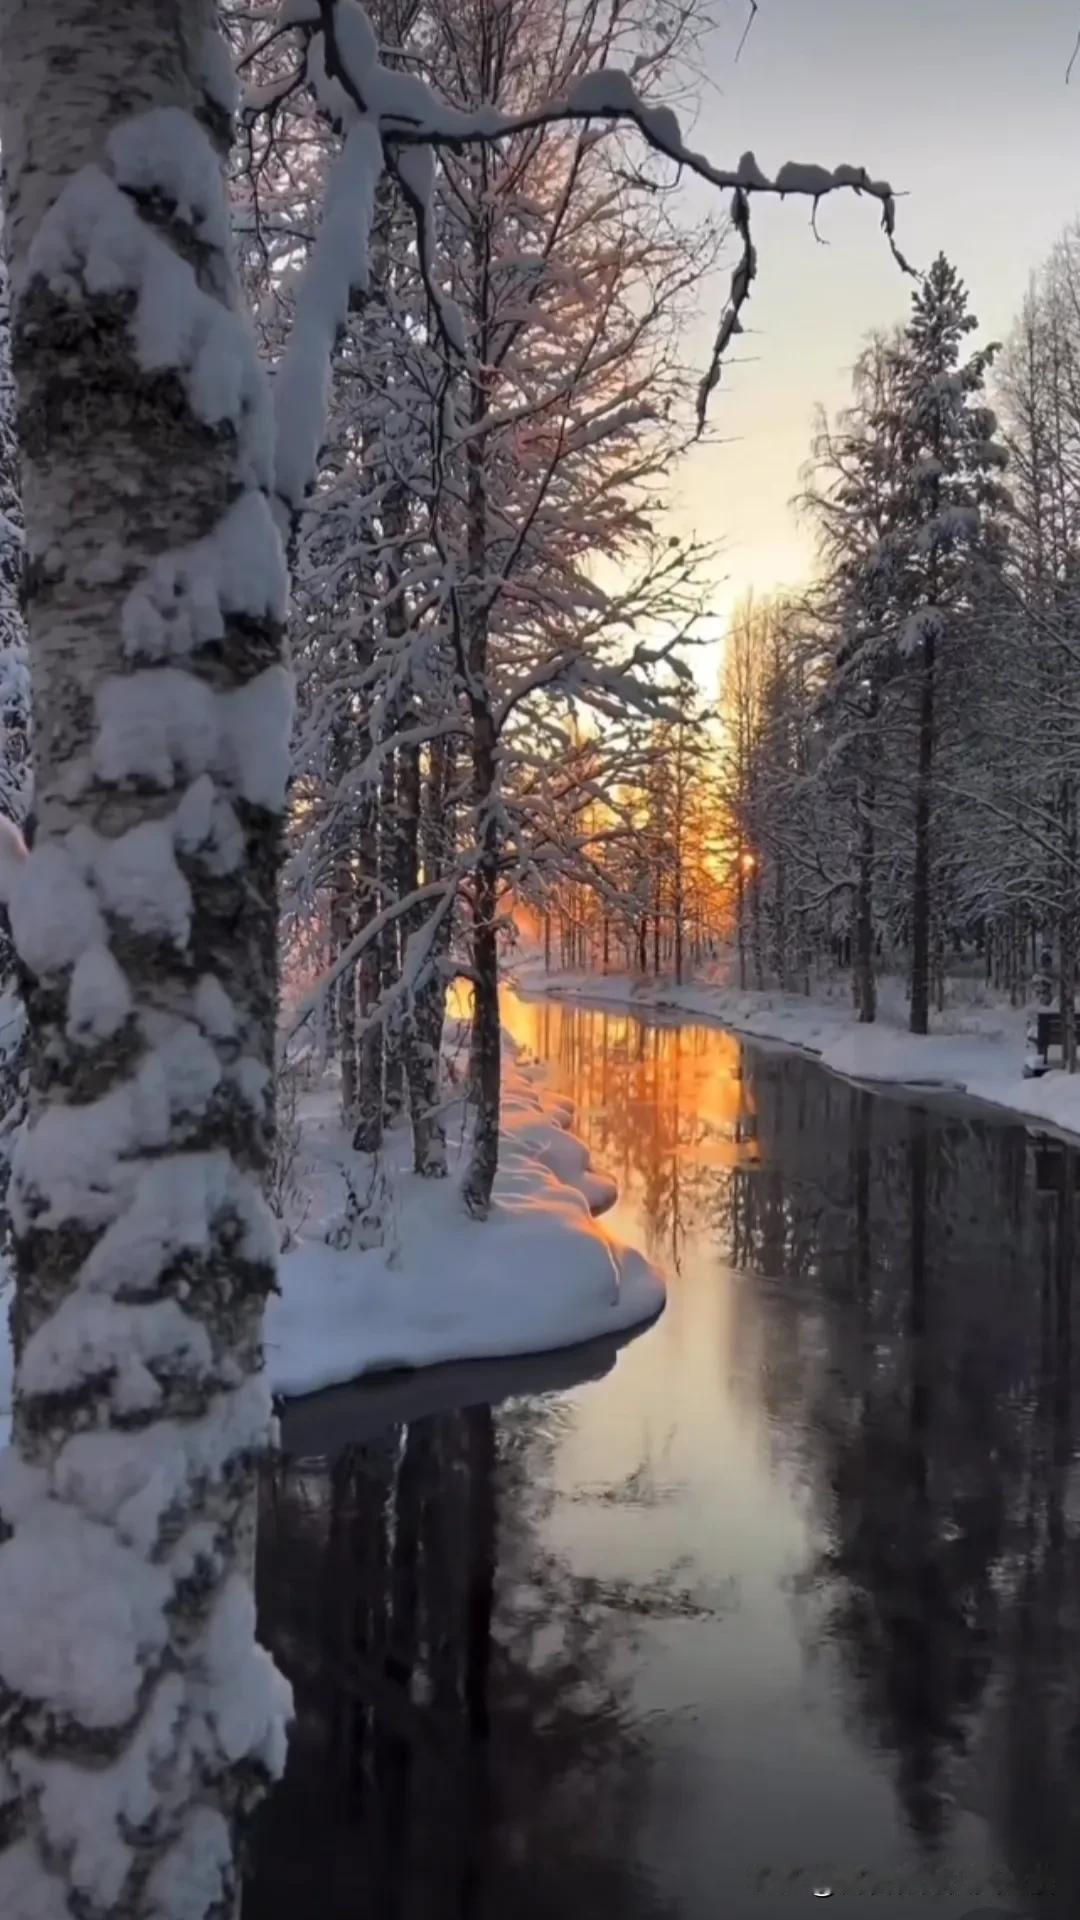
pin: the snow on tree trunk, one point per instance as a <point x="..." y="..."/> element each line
<point x="429" y="1005"/>
<point x="389" y="941"/>
<point x="865" y="984"/>
<point x="920" y="891"/>
<point x="14" y="750"/>
<point x="140" y="1716"/>
<point x="369" y="1099"/>
<point x="420" y="1067"/>
<point x="342" y="931"/>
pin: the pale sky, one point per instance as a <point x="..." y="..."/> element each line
<point x="963" y="106"/>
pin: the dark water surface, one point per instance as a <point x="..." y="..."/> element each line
<point x="785" y="1595"/>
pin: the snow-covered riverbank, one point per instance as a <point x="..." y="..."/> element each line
<point x="542" y="1273"/>
<point x="975" y="1050"/>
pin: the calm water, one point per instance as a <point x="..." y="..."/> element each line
<point x="785" y="1595"/>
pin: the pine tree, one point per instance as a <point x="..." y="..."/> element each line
<point x="949" y="494"/>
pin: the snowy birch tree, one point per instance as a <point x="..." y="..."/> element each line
<point x="14" y="745"/>
<point x="139" y="1714"/>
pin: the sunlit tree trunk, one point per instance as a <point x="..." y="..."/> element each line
<point x="145" y="921"/>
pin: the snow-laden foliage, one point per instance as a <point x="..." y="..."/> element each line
<point x="469" y="294"/>
<point x="473" y="304"/>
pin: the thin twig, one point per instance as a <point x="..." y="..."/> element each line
<point x="750" y="18"/>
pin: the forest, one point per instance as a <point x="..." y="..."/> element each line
<point x="356" y="683"/>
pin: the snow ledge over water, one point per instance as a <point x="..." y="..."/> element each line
<point x="541" y="1273"/>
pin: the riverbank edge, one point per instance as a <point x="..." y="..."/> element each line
<point x="984" y="1065"/>
<point x="542" y="1274"/>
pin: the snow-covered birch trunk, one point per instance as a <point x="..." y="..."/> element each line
<point x="139" y="1715"/>
<point x="14" y="752"/>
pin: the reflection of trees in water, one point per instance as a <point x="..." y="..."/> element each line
<point x="464" y="1744"/>
<point x="665" y="1109"/>
<point x="919" y="1364"/>
<point x="905" y="1321"/>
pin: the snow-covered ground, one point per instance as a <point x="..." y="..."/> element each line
<point x="977" y="1048"/>
<point x="542" y="1273"/>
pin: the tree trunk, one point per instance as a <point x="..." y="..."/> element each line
<point x="755" y="909"/>
<point x="1068" y="929"/>
<point x="342" y="928"/>
<point x="865" y="983"/>
<point x="920" y="892"/>
<point x="145" y="921"/>
<point x="424" y="1030"/>
<point x="487" y="1031"/>
<point x="369" y="1096"/>
<point x="389" y="948"/>
<point x="439" y="843"/>
<point x="780" y="933"/>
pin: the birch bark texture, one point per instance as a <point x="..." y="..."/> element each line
<point x="139" y="1716"/>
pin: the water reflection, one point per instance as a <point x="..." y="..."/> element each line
<point x="791" y="1594"/>
<point x="445" y="1764"/>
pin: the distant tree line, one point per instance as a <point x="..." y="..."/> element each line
<point x="901" y="743"/>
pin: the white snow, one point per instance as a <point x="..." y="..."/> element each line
<point x="338" y="265"/>
<point x="166" y="151"/>
<point x="99" y="998"/>
<point x="214" y="1008"/>
<point x="196" y="1873"/>
<point x="541" y="1273"/>
<point x="133" y="1487"/>
<point x="243" y="1698"/>
<point x="138" y="880"/>
<point x="256" y="729"/>
<point x="162" y="724"/>
<point x="87" y="1814"/>
<point x="54" y="916"/>
<point x="94" y="238"/>
<point x="185" y="597"/>
<point x="153" y="725"/>
<point x="67" y="1583"/>
<point x="87" y="1338"/>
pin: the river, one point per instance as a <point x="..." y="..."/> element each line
<point x="783" y="1597"/>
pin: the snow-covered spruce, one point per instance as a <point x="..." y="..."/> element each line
<point x="139" y="1714"/>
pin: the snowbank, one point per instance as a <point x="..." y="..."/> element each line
<point x="541" y="1273"/>
<point x="976" y="1051"/>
